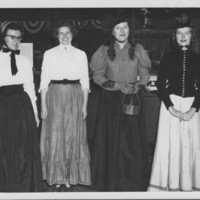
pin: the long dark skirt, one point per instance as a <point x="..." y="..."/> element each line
<point x="20" y="163"/>
<point x="116" y="163"/>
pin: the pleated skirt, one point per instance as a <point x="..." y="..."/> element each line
<point x="116" y="163"/>
<point x="20" y="162"/>
<point x="64" y="146"/>
<point x="176" y="163"/>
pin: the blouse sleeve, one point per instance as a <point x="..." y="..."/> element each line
<point x="29" y="86"/>
<point x="162" y="82"/>
<point x="144" y="64"/>
<point x="98" y="65"/>
<point x="84" y="80"/>
<point x="45" y="73"/>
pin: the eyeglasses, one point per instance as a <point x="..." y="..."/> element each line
<point x="14" y="37"/>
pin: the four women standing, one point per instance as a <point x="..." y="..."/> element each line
<point x="121" y="68"/>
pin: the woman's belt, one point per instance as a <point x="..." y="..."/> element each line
<point x="65" y="81"/>
<point x="11" y="89"/>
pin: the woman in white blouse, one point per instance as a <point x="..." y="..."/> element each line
<point x="64" y="94"/>
<point x="20" y="162"/>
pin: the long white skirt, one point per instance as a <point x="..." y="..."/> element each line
<point x="176" y="163"/>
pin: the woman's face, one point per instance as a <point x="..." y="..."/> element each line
<point x="64" y="35"/>
<point x="12" y="39"/>
<point x="184" y="36"/>
<point x="121" y="32"/>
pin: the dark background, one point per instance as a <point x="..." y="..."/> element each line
<point x="151" y="27"/>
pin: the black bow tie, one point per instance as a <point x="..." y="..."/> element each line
<point x="6" y="50"/>
<point x="13" y="61"/>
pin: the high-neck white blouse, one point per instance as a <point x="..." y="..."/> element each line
<point x="60" y="63"/>
<point x="24" y="75"/>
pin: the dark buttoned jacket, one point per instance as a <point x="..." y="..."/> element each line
<point x="179" y="74"/>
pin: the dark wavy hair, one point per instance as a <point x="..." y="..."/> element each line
<point x="110" y="41"/>
<point x="65" y="23"/>
<point x="12" y="25"/>
<point x="9" y="25"/>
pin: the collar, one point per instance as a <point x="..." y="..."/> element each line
<point x="64" y="48"/>
<point x="5" y="49"/>
<point x="180" y="52"/>
<point x="126" y="45"/>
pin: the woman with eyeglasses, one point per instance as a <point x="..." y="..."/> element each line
<point x="20" y="162"/>
<point x="64" y="94"/>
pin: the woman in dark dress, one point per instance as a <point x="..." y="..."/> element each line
<point x="117" y="160"/>
<point x="20" y="163"/>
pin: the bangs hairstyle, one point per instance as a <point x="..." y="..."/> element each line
<point x="60" y="24"/>
<point x="11" y="25"/>
<point x="110" y="40"/>
<point x="174" y="42"/>
<point x="182" y="21"/>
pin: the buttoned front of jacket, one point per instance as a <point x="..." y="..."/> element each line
<point x="181" y="71"/>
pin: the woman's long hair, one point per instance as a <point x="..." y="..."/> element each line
<point x="110" y="41"/>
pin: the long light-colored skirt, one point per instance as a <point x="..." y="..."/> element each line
<point x="176" y="164"/>
<point x="64" y="147"/>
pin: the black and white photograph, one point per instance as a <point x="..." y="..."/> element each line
<point x="99" y="99"/>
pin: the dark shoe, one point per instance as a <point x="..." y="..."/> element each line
<point x="56" y="188"/>
<point x="70" y="189"/>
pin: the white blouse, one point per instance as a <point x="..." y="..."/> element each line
<point x="24" y="75"/>
<point x="60" y="63"/>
